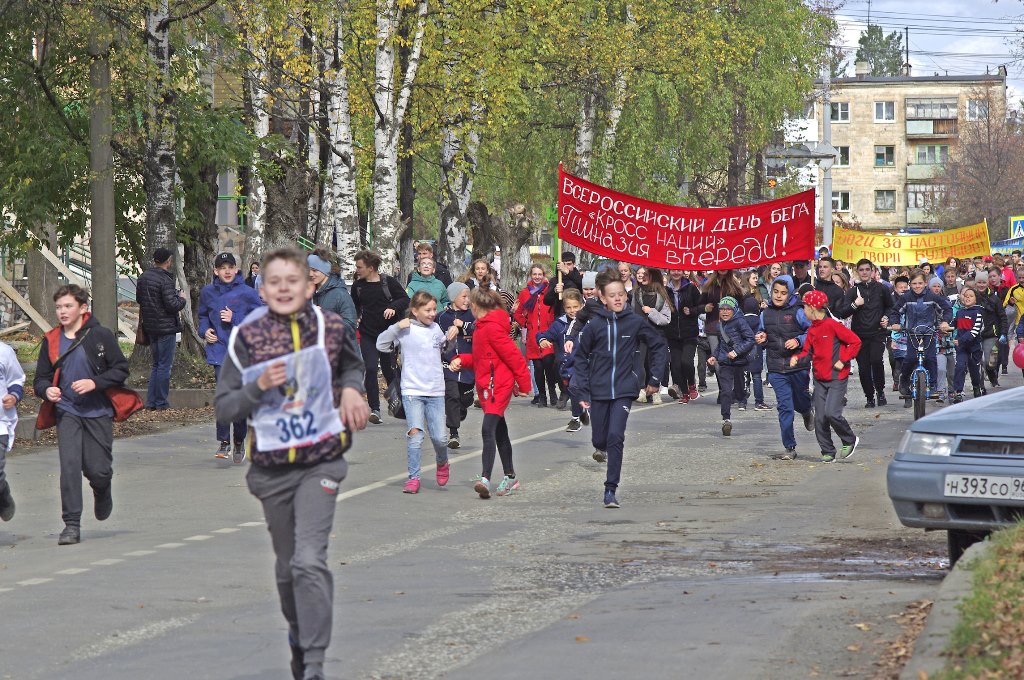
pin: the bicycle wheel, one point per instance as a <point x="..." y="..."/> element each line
<point x="920" y="393"/>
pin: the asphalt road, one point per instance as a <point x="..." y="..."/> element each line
<point x="720" y="563"/>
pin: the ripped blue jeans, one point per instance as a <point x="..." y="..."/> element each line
<point x="424" y="414"/>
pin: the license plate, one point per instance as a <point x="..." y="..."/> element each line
<point x="984" y="486"/>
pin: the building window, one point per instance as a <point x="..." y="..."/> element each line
<point x="885" y="156"/>
<point x="885" y="200"/>
<point x="842" y="156"/>
<point x="885" y="112"/>
<point x="923" y="195"/>
<point x="839" y="112"/>
<point x="931" y="109"/>
<point x="840" y="201"/>
<point x="977" y="109"/>
<point x="930" y="154"/>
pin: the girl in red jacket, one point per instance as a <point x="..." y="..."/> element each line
<point x="532" y="314"/>
<point x="500" y="372"/>
<point x="831" y="347"/>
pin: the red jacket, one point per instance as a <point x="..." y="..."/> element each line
<point x="497" y="362"/>
<point x="536" y="321"/>
<point x="829" y="341"/>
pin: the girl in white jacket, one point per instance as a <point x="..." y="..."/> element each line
<point x="422" y="384"/>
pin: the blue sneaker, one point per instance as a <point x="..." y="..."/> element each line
<point x="609" y="499"/>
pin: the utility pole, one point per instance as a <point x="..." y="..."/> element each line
<point x="826" y="165"/>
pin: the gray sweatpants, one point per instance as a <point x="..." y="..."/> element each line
<point x="84" y="446"/>
<point x="3" y="458"/>
<point x="299" y="505"/>
<point x="828" y="414"/>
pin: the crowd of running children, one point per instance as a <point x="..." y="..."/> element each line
<point x="292" y="372"/>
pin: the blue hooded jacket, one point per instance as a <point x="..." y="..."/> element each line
<point x="236" y="296"/>
<point x="557" y="334"/>
<point x="605" y="356"/>
<point x="463" y="342"/>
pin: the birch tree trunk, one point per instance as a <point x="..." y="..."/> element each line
<point x="341" y="163"/>
<point x="102" y="217"/>
<point x="585" y="125"/>
<point x="456" y="191"/>
<point x="314" y="206"/>
<point x="391" y="104"/>
<point x="611" y="128"/>
<point x="256" y="202"/>
<point x="160" y="159"/>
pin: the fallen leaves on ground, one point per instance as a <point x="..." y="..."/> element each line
<point x="898" y="652"/>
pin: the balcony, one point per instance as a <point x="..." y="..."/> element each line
<point x="919" y="216"/>
<point x="931" y="129"/>
<point x="923" y="171"/>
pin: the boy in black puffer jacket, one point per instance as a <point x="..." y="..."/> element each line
<point x="736" y="340"/>
<point x="458" y="323"/>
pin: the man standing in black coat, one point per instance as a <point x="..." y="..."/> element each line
<point x="824" y="283"/>
<point x="571" y="278"/>
<point x="869" y="303"/>
<point x="159" y="304"/>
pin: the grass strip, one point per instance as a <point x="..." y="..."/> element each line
<point x="988" y="641"/>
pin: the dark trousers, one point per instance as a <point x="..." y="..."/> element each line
<point x="791" y="396"/>
<point x="84" y="446"/>
<point x="544" y="373"/>
<point x="871" y="367"/>
<point x="494" y="433"/>
<point x="608" y="433"/>
<point x="967" y="359"/>
<point x="224" y="429"/>
<point x="910" y="363"/>
<point x="681" y="353"/>
<point x="299" y="504"/>
<point x="371" y="359"/>
<point x="458" y="397"/>
<point x="828" y="414"/>
<point x="730" y="387"/>
<point x="162" y="347"/>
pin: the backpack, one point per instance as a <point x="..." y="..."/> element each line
<point x="393" y="393"/>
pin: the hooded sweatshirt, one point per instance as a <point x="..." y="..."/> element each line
<point x="432" y="285"/>
<point x="422" y="374"/>
<point x="215" y="297"/>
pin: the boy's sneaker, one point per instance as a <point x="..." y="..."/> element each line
<point x="882" y="401"/>
<point x="978" y="391"/>
<point x="482" y="487"/>
<point x="585" y="417"/>
<point x="789" y="454"/>
<point x="870" y="403"/>
<point x="674" y="391"/>
<point x="610" y="501"/>
<point x="761" y="406"/>
<point x="508" y="486"/>
<point x="375" y="417"/>
<point x="563" y="401"/>
<point x="727" y="427"/>
<point x="453" y="441"/>
<point x="1004" y="371"/>
<point x="741" y="407"/>
<point x="103" y="502"/>
<point x="444" y="473"/>
<point x="958" y="398"/>
<point x="6" y="503"/>
<point x="224" y="452"/>
<point x="809" y="420"/>
<point x="71" y="535"/>
<point x="238" y="453"/>
<point x="685" y="399"/>
<point x="827" y="458"/>
<point x="411" y="486"/>
<point x="702" y="388"/>
<point x="574" y="425"/>
<point x="896" y="386"/>
<point x="694" y="394"/>
<point x="599" y="455"/>
<point x="846" y="450"/>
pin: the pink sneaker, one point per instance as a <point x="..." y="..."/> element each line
<point x="412" y="486"/>
<point x="444" y="472"/>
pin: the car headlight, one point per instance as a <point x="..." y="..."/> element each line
<point x="923" y="443"/>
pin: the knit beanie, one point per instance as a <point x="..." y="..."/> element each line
<point x="455" y="289"/>
<point x="319" y="264"/>
<point x="936" y="281"/>
<point x="590" y="279"/>
<point x="728" y="302"/>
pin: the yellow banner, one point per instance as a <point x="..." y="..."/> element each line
<point x="908" y="250"/>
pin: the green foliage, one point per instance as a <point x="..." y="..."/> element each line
<point x="883" y="52"/>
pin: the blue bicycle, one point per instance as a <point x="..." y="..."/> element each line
<point x="920" y="379"/>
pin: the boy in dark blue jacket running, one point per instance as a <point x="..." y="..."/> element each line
<point x="556" y="336"/>
<point x="223" y="305"/>
<point x="457" y="322"/>
<point x="604" y="379"/>
<point x="736" y="340"/>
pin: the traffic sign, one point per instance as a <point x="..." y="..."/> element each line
<point x="1017" y="226"/>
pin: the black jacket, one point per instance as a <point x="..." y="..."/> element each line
<point x="991" y="302"/>
<point x="159" y="302"/>
<point x="109" y="367"/>
<point x="683" y="326"/>
<point x="605" y="356"/>
<point x="371" y="299"/>
<point x="573" y="279"/>
<point x="867" y="318"/>
<point x="832" y="290"/>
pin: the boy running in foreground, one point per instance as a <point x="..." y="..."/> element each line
<point x="296" y="374"/>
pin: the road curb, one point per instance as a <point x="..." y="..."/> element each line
<point x="928" y="657"/>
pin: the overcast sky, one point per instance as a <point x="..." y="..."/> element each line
<point x="946" y="36"/>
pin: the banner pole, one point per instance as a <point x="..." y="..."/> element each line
<point x="558" y="249"/>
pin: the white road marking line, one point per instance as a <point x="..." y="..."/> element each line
<point x="34" y="581"/>
<point x="127" y="638"/>
<point x="108" y="562"/>
<point x="6" y="590"/>
<point x="139" y="553"/>
<point x="252" y="524"/>
<point x="225" y="530"/>
<point x="72" y="571"/>
<point x="200" y="537"/>
<point x="170" y="545"/>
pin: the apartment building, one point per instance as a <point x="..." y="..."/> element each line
<point x="892" y="136"/>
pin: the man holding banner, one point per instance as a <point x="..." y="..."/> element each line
<point x="869" y="303"/>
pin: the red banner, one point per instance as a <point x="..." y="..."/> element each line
<point x="623" y="227"/>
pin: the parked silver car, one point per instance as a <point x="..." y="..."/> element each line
<point x="962" y="469"/>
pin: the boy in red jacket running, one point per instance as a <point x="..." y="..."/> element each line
<point x="831" y="347"/>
